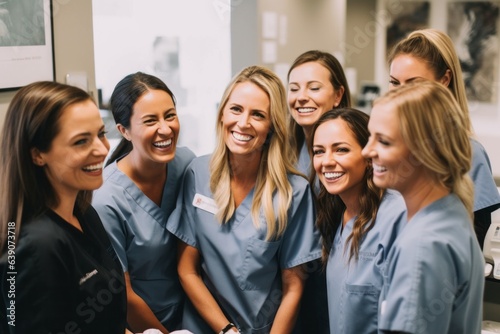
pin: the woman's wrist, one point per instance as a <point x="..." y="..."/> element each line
<point x="230" y="328"/>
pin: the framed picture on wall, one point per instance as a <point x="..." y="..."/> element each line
<point x="26" y="48"/>
<point x="473" y="27"/>
<point x="412" y="15"/>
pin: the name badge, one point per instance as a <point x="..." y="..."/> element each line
<point x="382" y="307"/>
<point x="205" y="203"/>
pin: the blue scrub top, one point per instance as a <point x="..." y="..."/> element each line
<point x="304" y="164"/>
<point x="354" y="287"/>
<point x="239" y="267"/>
<point x="435" y="274"/>
<point x="136" y="227"/>
<point x="485" y="190"/>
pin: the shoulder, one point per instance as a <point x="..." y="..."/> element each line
<point x="109" y="171"/>
<point x="200" y="163"/>
<point x="479" y="155"/>
<point x="183" y="156"/>
<point x="392" y="203"/>
<point x="114" y="181"/>
<point x="41" y="234"/>
<point x="298" y="182"/>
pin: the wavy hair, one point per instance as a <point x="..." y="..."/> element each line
<point x="123" y="98"/>
<point x="275" y="163"/>
<point x="337" y="79"/>
<point x="32" y="121"/>
<point x="437" y="50"/>
<point x="330" y="208"/>
<point x="434" y="128"/>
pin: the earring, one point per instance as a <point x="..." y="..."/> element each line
<point x="38" y="162"/>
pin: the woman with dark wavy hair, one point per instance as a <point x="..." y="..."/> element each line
<point x="358" y="221"/>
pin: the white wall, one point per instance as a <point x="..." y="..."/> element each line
<point x="124" y="32"/>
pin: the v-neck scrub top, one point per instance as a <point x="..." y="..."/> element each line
<point x="354" y="287"/>
<point x="66" y="280"/>
<point x="435" y="274"/>
<point x="136" y="227"/>
<point x="239" y="267"/>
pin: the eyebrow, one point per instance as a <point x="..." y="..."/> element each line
<point x="334" y="144"/>
<point x="87" y="134"/>
<point x="308" y="83"/>
<point x="166" y="111"/>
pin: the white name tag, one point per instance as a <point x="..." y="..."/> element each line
<point x="205" y="203"/>
<point x="382" y="307"/>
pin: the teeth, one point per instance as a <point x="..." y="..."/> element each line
<point x="304" y="110"/>
<point x="333" y="175"/>
<point x="378" y="168"/>
<point x="93" y="168"/>
<point x="163" y="143"/>
<point x="241" y="137"/>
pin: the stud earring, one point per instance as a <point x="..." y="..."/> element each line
<point x="38" y="162"/>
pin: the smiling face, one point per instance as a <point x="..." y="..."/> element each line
<point x="337" y="159"/>
<point x="311" y="93"/>
<point x="75" y="159"/>
<point x="154" y="128"/>
<point x="246" y="120"/>
<point x="393" y="165"/>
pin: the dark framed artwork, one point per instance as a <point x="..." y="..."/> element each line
<point x="26" y="47"/>
<point x="412" y="15"/>
<point x="473" y="27"/>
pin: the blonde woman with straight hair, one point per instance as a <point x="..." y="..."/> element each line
<point x="429" y="54"/>
<point x="246" y="218"/>
<point x="434" y="277"/>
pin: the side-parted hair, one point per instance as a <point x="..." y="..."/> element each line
<point x="337" y="79"/>
<point x="123" y="98"/>
<point x="330" y="208"/>
<point x="32" y="121"/>
<point x="434" y="128"/>
<point x="274" y="163"/>
<point x="437" y="50"/>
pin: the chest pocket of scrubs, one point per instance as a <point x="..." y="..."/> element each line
<point x="260" y="264"/>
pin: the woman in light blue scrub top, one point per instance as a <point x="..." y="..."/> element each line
<point x="358" y="221"/>
<point x="430" y="54"/>
<point x="316" y="84"/>
<point x="434" y="277"/>
<point x="246" y="218"/>
<point x="141" y="185"/>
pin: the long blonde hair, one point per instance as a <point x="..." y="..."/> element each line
<point x="434" y="128"/>
<point x="275" y="162"/>
<point x="437" y="50"/>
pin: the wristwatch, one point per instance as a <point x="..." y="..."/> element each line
<point x="227" y="328"/>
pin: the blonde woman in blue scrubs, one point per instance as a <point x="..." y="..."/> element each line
<point x="246" y="224"/>
<point x="434" y="277"/>
<point x="141" y="185"/>
<point x="430" y="54"/>
<point x="359" y="222"/>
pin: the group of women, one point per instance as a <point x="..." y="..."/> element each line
<point x="310" y="216"/>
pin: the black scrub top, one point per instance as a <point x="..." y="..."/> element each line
<point x="64" y="281"/>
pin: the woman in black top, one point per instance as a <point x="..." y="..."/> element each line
<point x="59" y="271"/>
